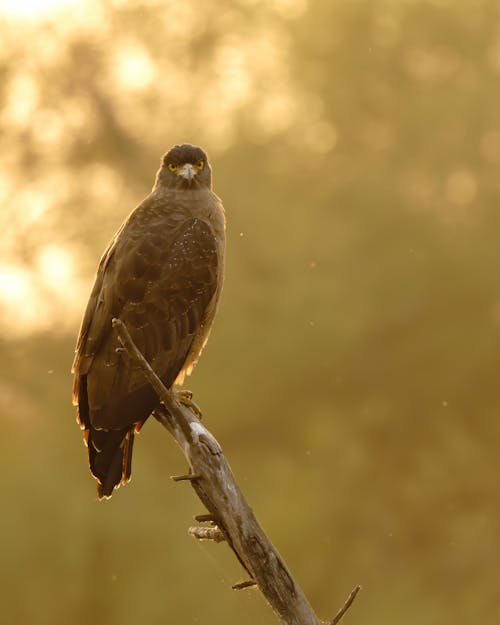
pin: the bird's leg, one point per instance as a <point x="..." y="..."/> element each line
<point x="185" y="397"/>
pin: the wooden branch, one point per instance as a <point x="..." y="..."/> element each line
<point x="232" y="518"/>
<point x="346" y="606"/>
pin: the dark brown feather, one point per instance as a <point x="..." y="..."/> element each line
<point x="159" y="275"/>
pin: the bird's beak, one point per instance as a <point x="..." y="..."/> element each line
<point x="187" y="171"/>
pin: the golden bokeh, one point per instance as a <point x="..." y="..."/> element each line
<point x="352" y="374"/>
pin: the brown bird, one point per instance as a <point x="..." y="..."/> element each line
<point x="162" y="275"/>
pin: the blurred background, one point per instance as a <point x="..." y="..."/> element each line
<point x="352" y="374"/>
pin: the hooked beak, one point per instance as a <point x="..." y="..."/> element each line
<point x="187" y="171"/>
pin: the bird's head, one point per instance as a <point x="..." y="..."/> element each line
<point x="184" y="167"/>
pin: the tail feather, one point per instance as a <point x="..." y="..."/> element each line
<point x="110" y="458"/>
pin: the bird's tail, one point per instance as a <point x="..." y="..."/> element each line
<point x="110" y="458"/>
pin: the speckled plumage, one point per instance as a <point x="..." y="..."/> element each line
<point x="162" y="276"/>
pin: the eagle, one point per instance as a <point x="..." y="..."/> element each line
<point x="162" y="275"/>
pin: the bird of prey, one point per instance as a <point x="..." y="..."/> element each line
<point x="162" y="275"/>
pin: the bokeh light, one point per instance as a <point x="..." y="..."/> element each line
<point x="352" y="373"/>
<point x="35" y="9"/>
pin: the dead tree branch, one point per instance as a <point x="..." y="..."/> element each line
<point x="336" y="619"/>
<point x="230" y="516"/>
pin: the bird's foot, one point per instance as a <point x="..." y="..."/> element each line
<point x="185" y="397"/>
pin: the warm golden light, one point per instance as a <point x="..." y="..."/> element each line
<point x="356" y="147"/>
<point x="14" y="284"/>
<point x="134" y="67"/>
<point x="33" y="9"/>
<point x="55" y="266"/>
<point x="19" y="303"/>
<point x="33" y="297"/>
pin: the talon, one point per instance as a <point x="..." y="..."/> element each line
<point x="185" y="397"/>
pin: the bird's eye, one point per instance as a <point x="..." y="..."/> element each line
<point x="172" y="167"/>
<point x="200" y="165"/>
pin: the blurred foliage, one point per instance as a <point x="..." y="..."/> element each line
<point x="352" y="374"/>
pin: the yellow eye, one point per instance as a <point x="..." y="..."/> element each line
<point x="172" y="167"/>
<point x="200" y="165"/>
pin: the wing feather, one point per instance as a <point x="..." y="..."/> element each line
<point x="160" y="281"/>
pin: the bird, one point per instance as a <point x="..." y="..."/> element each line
<point x="162" y="275"/>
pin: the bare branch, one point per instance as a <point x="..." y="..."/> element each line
<point x="214" y="483"/>
<point x="249" y="583"/>
<point x="205" y="518"/>
<point x="207" y="533"/>
<point x="188" y="477"/>
<point x="346" y="606"/>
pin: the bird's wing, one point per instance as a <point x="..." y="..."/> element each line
<point x="160" y="285"/>
<point x="86" y="345"/>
